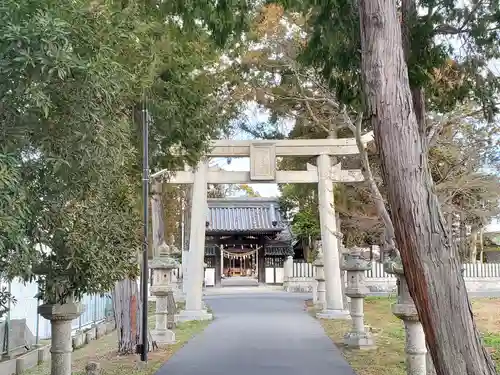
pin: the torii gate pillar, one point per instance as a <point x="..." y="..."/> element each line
<point x="263" y="169"/>
<point x="194" y="304"/>
<point x="334" y="308"/>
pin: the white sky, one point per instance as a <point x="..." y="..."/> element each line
<point x="493" y="227"/>
<point x="253" y="114"/>
<point x="243" y="164"/>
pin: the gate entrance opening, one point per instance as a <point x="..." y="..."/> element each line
<point x="263" y="169"/>
<point x="245" y="237"/>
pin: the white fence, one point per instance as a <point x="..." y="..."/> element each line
<point x="26" y="307"/>
<point x="471" y="270"/>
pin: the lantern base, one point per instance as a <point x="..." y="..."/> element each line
<point x="359" y="340"/>
<point x="333" y="314"/>
<point x="163" y="336"/>
<point x="191" y="315"/>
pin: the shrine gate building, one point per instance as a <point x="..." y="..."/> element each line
<point x="246" y="237"/>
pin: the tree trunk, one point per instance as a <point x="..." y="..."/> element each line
<point x="171" y="206"/>
<point x="433" y="275"/>
<point x="481" y="245"/>
<point x="126" y="296"/>
<point x="186" y="228"/>
<point x="306" y="250"/>
<point x="127" y="308"/>
<point x="157" y="222"/>
<point x="450" y="233"/>
<point x="463" y="244"/>
<point x="187" y="215"/>
<point x="473" y="244"/>
<point x="346" y="299"/>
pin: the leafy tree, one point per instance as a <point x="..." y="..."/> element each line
<point x="17" y="256"/>
<point x="75" y="79"/>
<point x="248" y="191"/>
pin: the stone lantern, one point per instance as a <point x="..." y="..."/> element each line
<point x="404" y="309"/>
<point x="176" y="282"/>
<point x="60" y="317"/>
<point x="356" y="289"/>
<point x="319" y="264"/>
<point x="163" y="265"/>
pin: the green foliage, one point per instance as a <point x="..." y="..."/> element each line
<point x="305" y="224"/>
<point x="247" y="190"/>
<point x="298" y="202"/>
<point x="334" y="44"/>
<point x="224" y="19"/>
<point x="74" y="78"/>
<point x="17" y="255"/>
<point x="6" y="298"/>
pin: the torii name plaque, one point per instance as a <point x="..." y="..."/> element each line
<point x="262" y="161"/>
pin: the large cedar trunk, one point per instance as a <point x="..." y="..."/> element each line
<point x="127" y="307"/>
<point x="126" y="296"/>
<point x="433" y="273"/>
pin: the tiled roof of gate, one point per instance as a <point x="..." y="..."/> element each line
<point x="255" y="215"/>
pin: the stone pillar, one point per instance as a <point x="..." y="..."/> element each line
<point x="163" y="265"/>
<point x="184" y="279"/>
<point x="405" y="310"/>
<point x="318" y="263"/>
<point x="287" y="272"/>
<point x="60" y="317"/>
<point x="194" y="305"/>
<point x="356" y="289"/>
<point x="333" y="280"/>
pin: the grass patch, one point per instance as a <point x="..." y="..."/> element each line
<point x="389" y="357"/>
<point x="104" y="351"/>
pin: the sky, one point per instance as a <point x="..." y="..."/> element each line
<point x="253" y="114"/>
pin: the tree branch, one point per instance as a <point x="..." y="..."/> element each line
<point x="452" y="30"/>
<point x="390" y="237"/>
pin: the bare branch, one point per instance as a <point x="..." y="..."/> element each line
<point x="439" y="126"/>
<point x="390" y="237"/>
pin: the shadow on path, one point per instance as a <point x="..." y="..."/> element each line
<point x="259" y="334"/>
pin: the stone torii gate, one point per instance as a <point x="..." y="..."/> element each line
<point x="263" y="169"/>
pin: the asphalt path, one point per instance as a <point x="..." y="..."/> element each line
<point x="259" y="333"/>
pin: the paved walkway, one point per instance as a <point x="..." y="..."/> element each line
<point x="259" y="334"/>
<point x="239" y="281"/>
